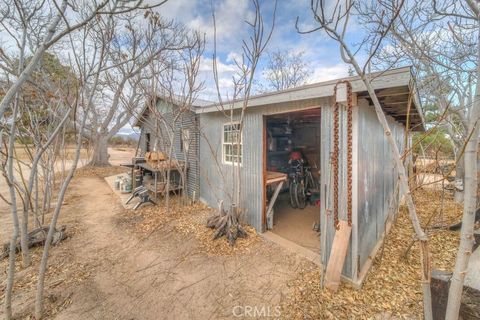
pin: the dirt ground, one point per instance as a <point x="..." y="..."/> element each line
<point x="296" y="224"/>
<point x="118" y="156"/>
<point x="113" y="273"/>
<point x="120" y="264"/>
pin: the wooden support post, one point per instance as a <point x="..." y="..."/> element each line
<point x="270" y="205"/>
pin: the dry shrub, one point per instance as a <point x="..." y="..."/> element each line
<point x="196" y="225"/>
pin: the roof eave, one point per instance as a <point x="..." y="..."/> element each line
<point x="316" y="90"/>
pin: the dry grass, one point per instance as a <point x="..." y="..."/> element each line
<point x="392" y="287"/>
<point x="196" y="225"/>
<point x="101" y="172"/>
<point x="22" y="152"/>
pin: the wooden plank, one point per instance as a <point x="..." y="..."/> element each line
<point x="337" y="256"/>
<point x="273" y="177"/>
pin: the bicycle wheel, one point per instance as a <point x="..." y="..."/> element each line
<point x="292" y="189"/>
<point x="300" y="195"/>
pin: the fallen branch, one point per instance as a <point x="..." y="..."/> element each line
<point x="36" y="238"/>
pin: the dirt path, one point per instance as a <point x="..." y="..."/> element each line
<point x="117" y="156"/>
<point x="166" y="275"/>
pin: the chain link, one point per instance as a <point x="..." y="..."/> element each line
<point x="335" y="162"/>
<point x="349" y="152"/>
<point x="336" y="151"/>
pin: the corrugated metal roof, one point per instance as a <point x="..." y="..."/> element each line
<point x="175" y="100"/>
<point x="400" y="79"/>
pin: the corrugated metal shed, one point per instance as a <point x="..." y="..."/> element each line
<point x="160" y="139"/>
<point x="374" y="175"/>
<point x="216" y="177"/>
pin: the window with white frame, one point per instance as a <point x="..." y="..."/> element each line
<point x="232" y="143"/>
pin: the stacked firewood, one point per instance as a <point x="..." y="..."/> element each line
<point x="227" y="223"/>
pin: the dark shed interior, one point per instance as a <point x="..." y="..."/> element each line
<point x="290" y="135"/>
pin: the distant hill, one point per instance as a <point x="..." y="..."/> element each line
<point x="128" y="134"/>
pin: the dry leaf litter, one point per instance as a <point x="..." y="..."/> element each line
<point x="187" y="220"/>
<point x="392" y="288"/>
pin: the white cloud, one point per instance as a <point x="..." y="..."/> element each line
<point x="206" y="65"/>
<point x="230" y="16"/>
<point x="326" y="72"/>
<point x="232" y="56"/>
<point x="320" y="51"/>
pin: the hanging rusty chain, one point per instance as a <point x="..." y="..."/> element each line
<point x="335" y="161"/>
<point x="336" y="151"/>
<point x="349" y="152"/>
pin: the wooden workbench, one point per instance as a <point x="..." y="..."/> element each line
<point x="162" y="167"/>
<point x="272" y="178"/>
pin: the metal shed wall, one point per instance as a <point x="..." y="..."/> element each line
<point x="216" y="177"/>
<point x="373" y="173"/>
<point x="326" y="184"/>
<point x="377" y="178"/>
<point x="159" y="139"/>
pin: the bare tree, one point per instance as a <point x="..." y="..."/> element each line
<point x="234" y="110"/>
<point x="134" y="47"/>
<point x="334" y="23"/>
<point x="175" y="85"/>
<point x="441" y="46"/>
<point x="468" y="17"/>
<point x="286" y="69"/>
<point x="88" y="64"/>
<point x="57" y="21"/>
<point x="45" y="137"/>
<point x="37" y="108"/>
<point x="442" y="40"/>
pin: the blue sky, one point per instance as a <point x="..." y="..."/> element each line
<point x="320" y="51"/>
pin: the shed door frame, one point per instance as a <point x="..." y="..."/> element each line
<point x="264" y="159"/>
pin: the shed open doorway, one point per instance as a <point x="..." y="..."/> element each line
<point x="292" y="150"/>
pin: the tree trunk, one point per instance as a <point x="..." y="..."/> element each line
<point x="100" y="152"/>
<point x="53" y="224"/>
<point x="460" y="176"/>
<point x="469" y="206"/>
<point x="15" y="220"/>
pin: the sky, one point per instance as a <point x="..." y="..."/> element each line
<point x="320" y="52"/>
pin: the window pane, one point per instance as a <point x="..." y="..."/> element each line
<point x="235" y="137"/>
<point x="232" y="147"/>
